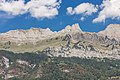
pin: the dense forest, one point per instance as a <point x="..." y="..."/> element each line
<point x="43" y="67"/>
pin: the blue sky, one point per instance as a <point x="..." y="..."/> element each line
<point x="58" y="22"/>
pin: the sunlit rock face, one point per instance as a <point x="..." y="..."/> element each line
<point x="72" y="29"/>
<point x="35" y="34"/>
<point x="112" y="31"/>
<point x="71" y="41"/>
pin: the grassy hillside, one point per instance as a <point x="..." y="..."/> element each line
<point x="32" y="47"/>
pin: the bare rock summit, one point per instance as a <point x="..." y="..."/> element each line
<point x="112" y="31"/>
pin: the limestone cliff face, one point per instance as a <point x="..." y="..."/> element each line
<point x="112" y="31"/>
<point x="72" y="29"/>
<point x="35" y="34"/>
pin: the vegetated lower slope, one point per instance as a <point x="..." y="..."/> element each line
<point x="31" y="47"/>
<point x="39" y="66"/>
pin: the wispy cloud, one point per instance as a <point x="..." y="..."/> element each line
<point x="4" y="15"/>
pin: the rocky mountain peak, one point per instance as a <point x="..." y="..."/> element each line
<point x="76" y="27"/>
<point x="31" y="30"/>
<point x="36" y="34"/>
<point x="112" y="31"/>
<point x="73" y="28"/>
<point x="32" y="34"/>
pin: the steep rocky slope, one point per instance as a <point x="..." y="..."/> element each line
<point x="69" y="42"/>
<point x="31" y="35"/>
<point x="35" y="34"/>
<point x="113" y="31"/>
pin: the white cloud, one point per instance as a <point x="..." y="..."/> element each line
<point x="70" y="10"/>
<point x="13" y="8"/>
<point x="43" y="11"/>
<point x="43" y="8"/>
<point x="37" y="8"/>
<point x="82" y="18"/>
<point x="110" y="9"/>
<point x="84" y="8"/>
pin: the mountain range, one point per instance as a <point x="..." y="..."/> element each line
<point x="69" y="54"/>
<point x="69" y="42"/>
